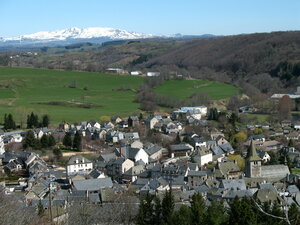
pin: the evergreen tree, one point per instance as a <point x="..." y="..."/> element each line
<point x="51" y="141"/>
<point x="294" y="214"/>
<point x="183" y="216"/>
<point x="67" y="141"/>
<point x="157" y="215"/>
<point x="9" y="122"/>
<point x="45" y="121"/>
<point x="197" y="209"/>
<point x="29" y="140"/>
<point x="77" y="141"/>
<point x="44" y="141"/>
<point x="141" y="116"/>
<point x="213" y="114"/>
<point x="216" y="214"/>
<point x="146" y="210"/>
<point x="32" y="121"/>
<point x="167" y="205"/>
<point x="242" y="212"/>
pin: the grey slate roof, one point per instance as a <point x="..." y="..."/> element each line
<point x="92" y="184"/>
<point x="81" y="159"/>
<point x="238" y="184"/>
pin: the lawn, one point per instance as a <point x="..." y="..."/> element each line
<point x="41" y="90"/>
<point x="186" y="88"/>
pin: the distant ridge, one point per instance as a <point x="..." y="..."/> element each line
<point x="75" y="35"/>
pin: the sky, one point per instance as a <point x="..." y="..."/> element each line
<point x="159" y="17"/>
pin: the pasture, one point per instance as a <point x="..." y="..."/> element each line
<point x="186" y="88"/>
<point x="65" y="95"/>
<point x="79" y="96"/>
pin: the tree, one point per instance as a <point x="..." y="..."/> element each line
<point x="198" y="209"/>
<point x="67" y="141"/>
<point x="216" y="214"/>
<point x="57" y="153"/>
<point x="167" y="205"/>
<point x="44" y="141"/>
<point x="77" y="141"/>
<point x="213" y="114"/>
<point x="45" y="121"/>
<point x="9" y="122"/>
<point x="40" y="209"/>
<point x="284" y="107"/>
<point x="145" y="214"/>
<point x="157" y="211"/>
<point x="29" y="139"/>
<point x="32" y="121"/>
<point x="51" y="141"/>
<point x="183" y="216"/>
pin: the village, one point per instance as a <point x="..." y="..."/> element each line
<point x="180" y="151"/>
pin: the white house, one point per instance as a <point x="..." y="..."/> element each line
<point x="153" y="74"/>
<point x="135" y="73"/>
<point x="204" y="157"/>
<point x="137" y="154"/>
<point x="79" y="164"/>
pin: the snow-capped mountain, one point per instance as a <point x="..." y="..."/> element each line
<point x="71" y="35"/>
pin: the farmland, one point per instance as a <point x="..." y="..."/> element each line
<point x="64" y="95"/>
<point x="77" y="96"/>
<point x="186" y="88"/>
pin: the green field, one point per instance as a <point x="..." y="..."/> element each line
<point x="186" y="88"/>
<point x="26" y="90"/>
<point x="23" y="90"/>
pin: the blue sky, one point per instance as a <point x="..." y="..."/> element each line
<point x="222" y="17"/>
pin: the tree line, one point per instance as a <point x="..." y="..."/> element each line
<point x="246" y="211"/>
<point x="32" y="121"/>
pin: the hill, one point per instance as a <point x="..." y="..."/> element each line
<point x="79" y="96"/>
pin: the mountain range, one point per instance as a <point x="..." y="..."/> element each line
<point x="75" y="35"/>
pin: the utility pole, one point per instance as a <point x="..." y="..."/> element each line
<point x="50" y="203"/>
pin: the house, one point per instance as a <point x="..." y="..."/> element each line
<point x="151" y="121"/>
<point x="135" y="73"/>
<point x="258" y="137"/>
<point x="79" y="164"/>
<point x="292" y="136"/>
<point x="227" y="148"/>
<point x="114" y="136"/>
<point x="116" y="167"/>
<point x="204" y="156"/>
<point x="297" y="125"/>
<point x="133" y="173"/>
<point x="220" y="140"/>
<point x="154" y="152"/>
<point x="196" y="178"/>
<point x="133" y="121"/>
<point x="153" y="74"/>
<point x="196" y="112"/>
<point x="182" y="149"/>
<point x="265" y="157"/>
<point x="286" y="123"/>
<point x="227" y="170"/>
<point x="116" y="119"/>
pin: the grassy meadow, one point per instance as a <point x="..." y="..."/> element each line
<point x="77" y="96"/>
<point x="23" y="90"/>
<point x="186" y="88"/>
